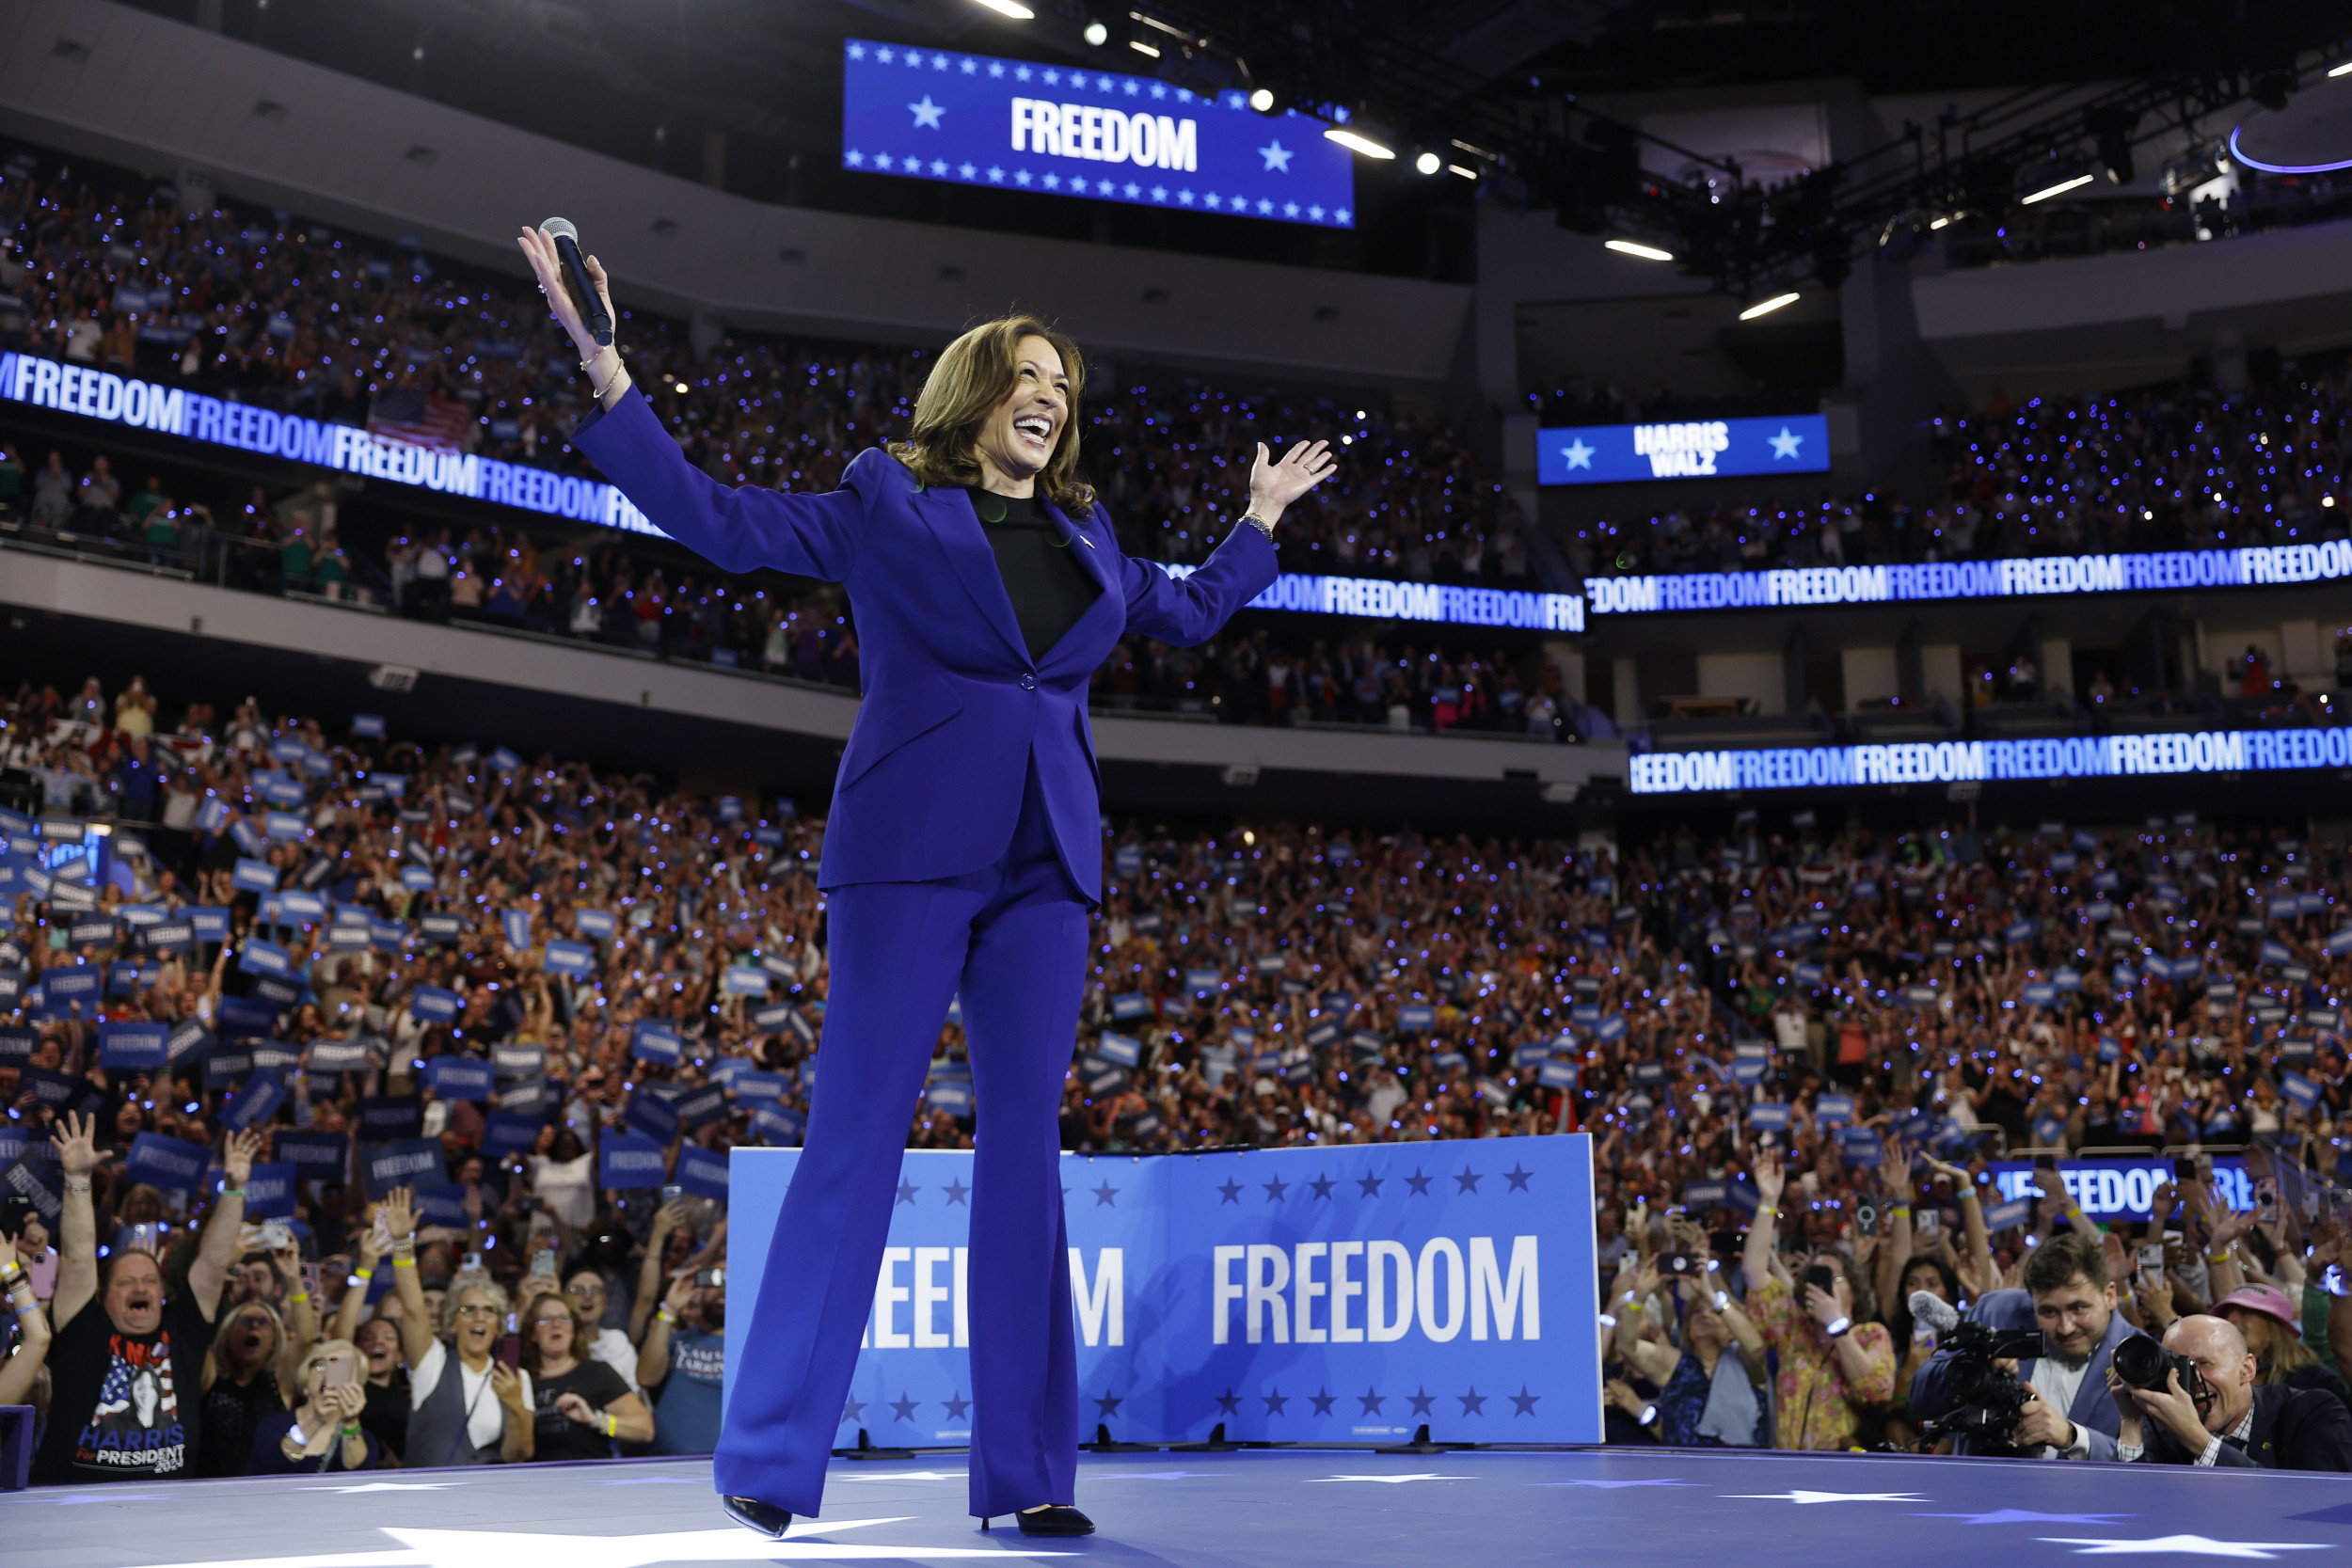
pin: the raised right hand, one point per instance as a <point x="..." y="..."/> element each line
<point x="77" y="1154"/>
<point x="540" y="251"/>
<point x="1771" y="1177"/>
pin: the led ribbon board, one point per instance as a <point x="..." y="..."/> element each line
<point x="1682" y="449"/>
<point x="1971" y="761"/>
<point x="123" y="400"/>
<point x="1015" y="125"/>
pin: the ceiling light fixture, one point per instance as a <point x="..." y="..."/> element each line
<point x="1142" y="48"/>
<point x="1096" y="34"/>
<point x="1262" y="100"/>
<point x="1462" y="170"/>
<point x="1634" y="247"/>
<point x="1011" y="9"/>
<point x="1356" y="141"/>
<point x="1765" y="308"/>
<point x="2059" y="189"/>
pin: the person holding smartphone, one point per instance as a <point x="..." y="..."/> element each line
<point x="322" y="1432"/>
<point x="1833" y="1363"/>
<point x="683" y="1363"/>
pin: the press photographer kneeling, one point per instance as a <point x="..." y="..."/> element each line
<point x="2197" y="1393"/>
<point x="2026" y="1374"/>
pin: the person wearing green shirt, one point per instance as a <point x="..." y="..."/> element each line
<point x="149" y="500"/>
<point x="294" y="560"/>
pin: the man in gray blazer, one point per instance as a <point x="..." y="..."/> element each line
<point x="2069" y="1297"/>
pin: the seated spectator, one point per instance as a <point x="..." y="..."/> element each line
<point x="465" y="1407"/>
<point x="324" y="1432"/>
<point x="2228" y="1420"/>
<point x="584" y="1407"/>
<point x="120" y="1371"/>
<point x="1833" y="1362"/>
<point x="683" y="1363"/>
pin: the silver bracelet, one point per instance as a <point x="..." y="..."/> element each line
<point x="1260" y="524"/>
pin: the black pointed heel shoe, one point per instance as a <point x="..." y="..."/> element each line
<point x="1060" y="1519"/>
<point x="765" y="1518"/>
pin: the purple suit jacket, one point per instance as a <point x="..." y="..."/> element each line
<point x="955" y="709"/>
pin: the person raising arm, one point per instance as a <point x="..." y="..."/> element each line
<point x="20" y="1371"/>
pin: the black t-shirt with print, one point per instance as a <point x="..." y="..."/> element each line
<point x="556" y="1436"/>
<point x="125" y="1406"/>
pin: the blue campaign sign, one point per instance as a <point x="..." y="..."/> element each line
<point x="403" y="1162"/>
<point x="460" y="1077"/>
<point x="1693" y="449"/>
<point x="1342" y="1295"/>
<point x="2120" y="1188"/>
<point x="506" y="1133"/>
<point x="162" y="1161"/>
<point x="313" y="1156"/>
<point x="625" y="1161"/>
<point x="976" y="119"/>
<point x="269" y="1191"/>
<point x="132" y="1047"/>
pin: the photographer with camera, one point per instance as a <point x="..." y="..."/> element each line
<point x="1832" y="1362"/>
<point x="2025" y="1373"/>
<point x="2200" y="1390"/>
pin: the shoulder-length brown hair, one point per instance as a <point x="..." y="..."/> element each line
<point x="973" y="375"/>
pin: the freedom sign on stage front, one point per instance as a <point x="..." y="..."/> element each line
<point x="1331" y="1295"/>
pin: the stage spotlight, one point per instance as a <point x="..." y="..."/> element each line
<point x="1262" y="100"/>
<point x="1356" y="140"/>
<point x="1428" y="163"/>
<point x="1462" y="170"/>
<point x="1010" y="7"/>
<point x="1096" y="34"/>
<point x="1634" y="247"/>
<point x="1765" y="306"/>
<point x="2059" y="187"/>
<point x="1142" y="48"/>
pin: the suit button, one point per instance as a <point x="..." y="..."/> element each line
<point x="1028" y="682"/>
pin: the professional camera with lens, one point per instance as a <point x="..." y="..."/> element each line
<point x="1990" y="1397"/>
<point x="2143" y="1363"/>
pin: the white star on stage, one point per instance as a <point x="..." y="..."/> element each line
<point x="460" y="1548"/>
<point x="1578" y="454"/>
<point x="926" y="112"/>
<point x="1785" y="445"/>
<point x="1829" y="1496"/>
<point x="392" y="1486"/>
<point x="1392" y="1480"/>
<point x="1276" y="156"/>
<point x="2181" y="1546"/>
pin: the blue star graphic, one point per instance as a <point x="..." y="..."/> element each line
<point x="885" y="55"/>
<point x="914" y="59"/>
<point x="995" y="174"/>
<point x="1131" y="85"/>
<point x="1104" y="186"/>
<point x="1468" y="1182"/>
<point x="1108" y="1404"/>
<point x="852" y="1410"/>
<point x="1275" y="1188"/>
<point x="1578" y="454"/>
<point x="1159" y="193"/>
<point x="1525" y="1401"/>
<point x="881" y="160"/>
<point x="1265" y="205"/>
<point x="1290" y="209"/>
<point x="1132" y="190"/>
<point x="1053" y="78"/>
<point x="1517" y="1178"/>
<point x="1323" y="1185"/>
<point x="902" y="1408"/>
<point x="1276" y="156"/>
<point x="1021" y="73"/>
<point x="1473" y="1403"/>
<point x="1231" y="1191"/>
<point x="1185" y="197"/>
<point x="1228" y="1403"/>
<point x="1421" y="1400"/>
<point x="854" y="157"/>
<point x="958" y="1407"/>
<point x="1370" y="1185"/>
<point x="2027" y="1517"/>
<point x="1418" y="1183"/>
<point x="1372" y="1401"/>
<point x="1053" y="181"/>
<point x="939" y="165"/>
<point x="970" y="67"/>
<point x="907" y="1191"/>
<point x="1338" y="214"/>
<point x="1784" y="443"/>
<point x="857" y="51"/>
<point x="1315" y="212"/>
<point x="1159" y="90"/>
<point x="1213" y="200"/>
<point x="1106" y="1196"/>
<point x="1021" y="176"/>
<point x="1322" y="1402"/>
<point x="996" y="67"/>
<point x="1274" y="1400"/>
<point x="938" y="62"/>
<point x="968" y="171"/>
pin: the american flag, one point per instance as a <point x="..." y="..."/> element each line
<point x="409" y="415"/>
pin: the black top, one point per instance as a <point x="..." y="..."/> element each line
<point x="125" y="1406"/>
<point x="558" y="1436"/>
<point x="1048" y="586"/>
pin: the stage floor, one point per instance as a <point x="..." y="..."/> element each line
<point x="1256" y="1508"/>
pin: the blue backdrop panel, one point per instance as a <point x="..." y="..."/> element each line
<point x="1692" y="449"/>
<point x="1362" y="1291"/>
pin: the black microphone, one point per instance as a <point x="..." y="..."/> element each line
<point x="584" y="293"/>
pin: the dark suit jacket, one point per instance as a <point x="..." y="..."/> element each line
<point x="2093" y="1408"/>
<point x="2295" y="1428"/>
<point x="955" y="711"/>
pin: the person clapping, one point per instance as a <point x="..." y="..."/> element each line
<point x="322" y="1432"/>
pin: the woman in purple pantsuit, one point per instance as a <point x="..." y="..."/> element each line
<point x="962" y="854"/>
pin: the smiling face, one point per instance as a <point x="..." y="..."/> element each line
<point x="475" y="1321"/>
<point x="1017" y="437"/>
<point x="379" y="1341"/>
<point x="134" y="1293"/>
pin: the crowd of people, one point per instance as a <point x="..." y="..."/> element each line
<point x="1840" y="1027"/>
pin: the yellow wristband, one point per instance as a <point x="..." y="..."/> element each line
<point x="612" y="1426"/>
<point x="404" y="1262"/>
<point x="363" y="1276"/>
<point x="2221" y="1256"/>
<point x="665" y="1315"/>
<point x="298" y="1297"/>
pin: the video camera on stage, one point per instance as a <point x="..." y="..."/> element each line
<point x="1989" y="1397"/>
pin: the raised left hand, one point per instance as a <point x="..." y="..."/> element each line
<point x="237" y="1161"/>
<point x="1273" y="485"/>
